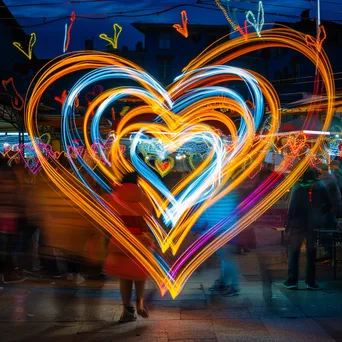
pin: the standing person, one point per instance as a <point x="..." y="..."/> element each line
<point x="331" y="212"/>
<point x="329" y="181"/>
<point x="228" y="282"/>
<point x="131" y="204"/>
<point x="336" y="169"/>
<point x="308" y="199"/>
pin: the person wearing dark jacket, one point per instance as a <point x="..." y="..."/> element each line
<point x="331" y="213"/>
<point x="309" y="198"/>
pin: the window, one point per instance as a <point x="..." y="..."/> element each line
<point x="165" y="67"/>
<point x="164" y="41"/>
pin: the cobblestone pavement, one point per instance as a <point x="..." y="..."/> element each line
<point x="48" y="310"/>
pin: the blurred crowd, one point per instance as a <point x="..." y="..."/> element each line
<point x="42" y="232"/>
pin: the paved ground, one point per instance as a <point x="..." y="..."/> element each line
<point x="57" y="311"/>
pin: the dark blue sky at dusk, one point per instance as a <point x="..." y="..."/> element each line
<point x="50" y="37"/>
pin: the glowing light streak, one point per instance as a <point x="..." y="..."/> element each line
<point x="317" y="43"/>
<point x="113" y="41"/>
<point x="183" y="29"/>
<point x="31" y="43"/>
<point x="178" y="113"/>
<point x="67" y="32"/>
<point x="258" y="22"/>
<point x="63" y="96"/>
<point x="17" y="101"/>
<point x="236" y="27"/>
<point x="124" y="110"/>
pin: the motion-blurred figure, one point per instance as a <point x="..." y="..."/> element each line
<point x="64" y="234"/>
<point x="309" y="198"/>
<point x="332" y="210"/>
<point x="132" y="204"/>
<point x="336" y="170"/>
<point x="228" y="282"/>
<point x="11" y="217"/>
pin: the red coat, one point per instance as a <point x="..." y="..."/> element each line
<point x="132" y="204"/>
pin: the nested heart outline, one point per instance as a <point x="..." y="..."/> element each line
<point x="172" y="280"/>
<point x="106" y="96"/>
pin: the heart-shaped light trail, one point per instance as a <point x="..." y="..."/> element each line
<point x="200" y="185"/>
<point x="175" y="117"/>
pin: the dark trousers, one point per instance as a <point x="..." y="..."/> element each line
<point x="8" y="245"/>
<point x="25" y="243"/>
<point x="296" y="240"/>
<point x="74" y="267"/>
<point x="330" y="223"/>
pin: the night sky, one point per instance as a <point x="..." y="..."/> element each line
<point x="50" y="37"/>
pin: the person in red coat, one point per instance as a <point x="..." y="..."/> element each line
<point x="132" y="204"/>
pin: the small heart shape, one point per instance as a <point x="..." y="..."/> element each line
<point x="163" y="167"/>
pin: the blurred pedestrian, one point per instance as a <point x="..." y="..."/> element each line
<point x="336" y="170"/>
<point x="132" y="204"/>
<point x="308" y="200"/>
<point x="228" y="282"/>
<point x="11" y="217"/>
<point x="332" y="210"/>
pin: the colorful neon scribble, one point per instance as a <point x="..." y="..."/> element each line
<point x="258" y="22"/>
<point x="317" y="42"/>
<point x="17" y="100"/>
<point x="184" y="113"/>
<point x="31" y="43"/>
<point x="67" y="31"/>
<point x="183" y="28"/>
<point x="226" y="12"/>
<point x="113" y="41"/>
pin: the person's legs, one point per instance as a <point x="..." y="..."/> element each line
<point x="219" y="284"/>
<point x="330" y="223"/>
<point x="140" y="289"/>
<point x="10" y="275"/>
<point x="23" y="259"/>
<point x="74" y="267"/>
<point x="35" y="243"/>
<point x="295" y="242"/>
<point x="126" y="288"/>
<point x="230" y="271"/>
<point x="251" y="242"/>
<point x="310" y="277"/>
<point x="230" y="274"/>
<point x="74" y="272"/>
